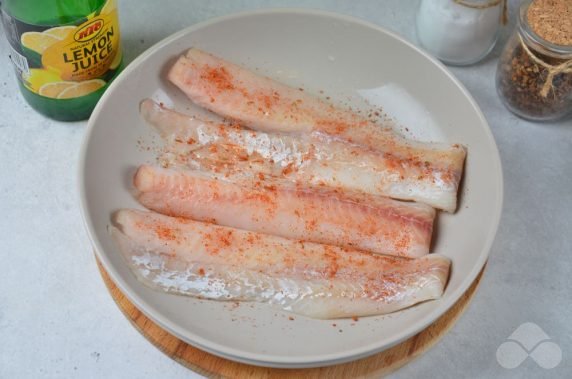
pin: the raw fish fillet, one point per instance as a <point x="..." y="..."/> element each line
<point x="312" y="159"/>
<point x="375" y="224"/>
<point x="213" y="262"/>
<point x="263" y="104"/>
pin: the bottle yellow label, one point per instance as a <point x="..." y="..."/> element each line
<point x="87" y="51"/>
<point x="75" y="59"/>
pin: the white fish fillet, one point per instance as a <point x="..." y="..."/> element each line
<point x="312" y="159"/>
<point x="263" y="104"/>
<point x="375" y="224"/>
<point x="213" y="262"/>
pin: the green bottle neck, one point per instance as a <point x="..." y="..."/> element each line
<point x="50" y="12"/>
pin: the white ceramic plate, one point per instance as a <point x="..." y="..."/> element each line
<point x="347" y="59"/>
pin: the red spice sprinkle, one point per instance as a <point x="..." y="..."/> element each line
<point x="191" y="141"/>
<point x="311" y="224"/>
<point x="225" y="238"/>
<point x="201" y="271"/>
<point x="333" y="126"/>
<point x="355" y="318"/>
<point x="218" y="76"/>
<point x="183" y="220"/>
<point x="288" y="169"/>
<point x="403" y="242"/>
<point x="250" y="239"/>
<point x="333" y="265"/>
<point x="267" y="100"/>
<point x="165" y="233"/>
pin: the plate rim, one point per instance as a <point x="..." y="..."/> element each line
<point x="269" y="360"/>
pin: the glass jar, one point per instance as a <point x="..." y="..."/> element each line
<point x="534" y="76"/>
<point x="459" y="32"/>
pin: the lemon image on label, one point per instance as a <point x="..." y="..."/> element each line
<point x="37" y="41"/>
<point x="40" y="41"/>
<point x="34" y="44"/>
<point x="37" y="77"/>
<point x="55" y="88"/>
<point x="81" y="89"/>
<point x="60" y="32"/>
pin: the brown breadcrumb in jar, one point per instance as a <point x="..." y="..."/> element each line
<point x="534" y="75"/>
<point x="551" y="20"/>
<point x="521" y="81"/>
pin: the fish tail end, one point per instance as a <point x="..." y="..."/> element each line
<point x="144" y="178"/>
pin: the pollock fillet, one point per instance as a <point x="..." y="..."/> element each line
<point x="313" y="159"/>
<point x="377" y="224"/>
<point x="213" y="262"/>
<point x="263" y="104"/>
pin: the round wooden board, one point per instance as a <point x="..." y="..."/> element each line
<point x="212" y="366"/>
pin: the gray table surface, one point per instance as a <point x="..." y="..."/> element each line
<point x="58" y="321"/>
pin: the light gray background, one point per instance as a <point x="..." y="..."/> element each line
<point x="57" y="319"/>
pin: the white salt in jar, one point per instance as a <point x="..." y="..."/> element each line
<point x="459" y="32"/>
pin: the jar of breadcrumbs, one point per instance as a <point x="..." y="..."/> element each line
<point x="534" y="74"/>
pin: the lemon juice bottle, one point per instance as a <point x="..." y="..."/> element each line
<point x="65" y="52"/>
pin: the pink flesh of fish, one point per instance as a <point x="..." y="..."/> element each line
<point x="208" y="261"/>
<point x="266" y="105"/>
<point x="375" y="224"/>
<point x="311" y="159"/>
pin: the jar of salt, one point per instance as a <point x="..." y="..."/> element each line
<point x="459" y="32"/>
